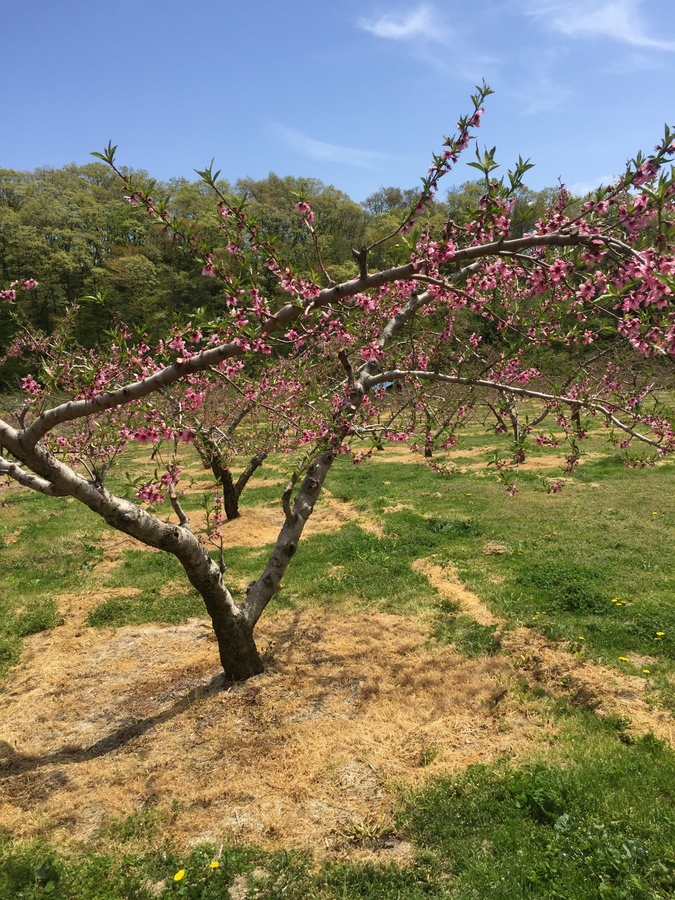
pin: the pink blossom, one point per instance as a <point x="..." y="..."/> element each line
<point x="30" y="385"/>
<point x="176" y="343"/>
<point x="147" y="435"/>
<point x="372" y="352"/>
<point x="305" y="211"/>
<point x="586" y="291"/>
<point x="646" y="172"/>
<point x="151" y="493"/>
<point x="557" y="270"/>
<point x="171" y="476"/>
<point x="194" y="399"/>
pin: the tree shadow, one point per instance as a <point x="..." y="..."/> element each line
<point x="13" y="763"/>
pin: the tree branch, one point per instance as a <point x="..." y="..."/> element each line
<point x="361" y="257"/>
<point x="205" y="359"/>
<point x="183" y="520"/>
<point x="286" y="500"/>
<point x="28" y="480"/>
<point x="596" y="406"/>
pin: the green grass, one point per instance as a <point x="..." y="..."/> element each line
<point x="466" y="634"/>
<point x="47" y="547"/>
<point x="165" y="595"/>
<point x="598" y="820"/>
<point x="567" y="557"/>
<point x="355" y="566"/>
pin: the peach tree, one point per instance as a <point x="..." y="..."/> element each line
<point x="480" y="320"/>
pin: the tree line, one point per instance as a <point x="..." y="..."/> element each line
<point x="73" y="230"/>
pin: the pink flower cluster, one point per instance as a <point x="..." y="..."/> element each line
<point x="151" y="493"/>
<point x="10" y="294"/>
<point x="305" y="211"/>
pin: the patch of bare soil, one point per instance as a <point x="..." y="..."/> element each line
<point x="608" y="692"/>
<point x="447" y="583"/>
<point x="534" y="464"/>
<point x="400" y="453"/>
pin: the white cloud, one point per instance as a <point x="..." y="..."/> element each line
<point x="541" y="94"/>
<point x="635" y="61"/>
<point x="581" y="188"/>
<point x="348" y="156"/>
<point x="422" y="22"/>
<point x="619" y="20"/>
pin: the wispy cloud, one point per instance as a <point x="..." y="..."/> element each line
<point x="581" y="188"/>
<point x="310" y="147"/>
<point x="421" y="23"/>
<point x="619" y="20"/>
<point x="541" y="94"/>
<point x="636" y="61"/>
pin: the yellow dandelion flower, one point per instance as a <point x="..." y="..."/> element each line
<point x="646" y="671"/>
<point x="624" y="659"/>
<point x="615" y="599"/>
<point x="215" y="864"/>
<point x="655" y="514"/>
<point x="581" y="638"/>
<point x="660" y="633"/>
<point x="179" y="876"/>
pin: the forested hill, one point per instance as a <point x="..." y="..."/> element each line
<point x="73" y="231"/>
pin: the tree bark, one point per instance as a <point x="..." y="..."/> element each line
<point x="230" y="496"/>
<point x="238" y="653"/>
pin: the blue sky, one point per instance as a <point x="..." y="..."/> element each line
<point x="357" y="94"/>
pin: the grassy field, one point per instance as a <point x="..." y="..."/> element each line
<point x="588" y="572"/>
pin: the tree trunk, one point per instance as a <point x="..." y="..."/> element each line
<point x="231" y="491"/>
<point x="230" y="496"/>
<point x="232" y="626"/>
<point x="239" y="655"/>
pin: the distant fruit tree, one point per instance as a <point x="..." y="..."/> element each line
<point x="480" y="316"/>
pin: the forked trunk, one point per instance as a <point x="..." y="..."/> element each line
<point x="232" y="626"/>
<point x="232" y="490"/>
